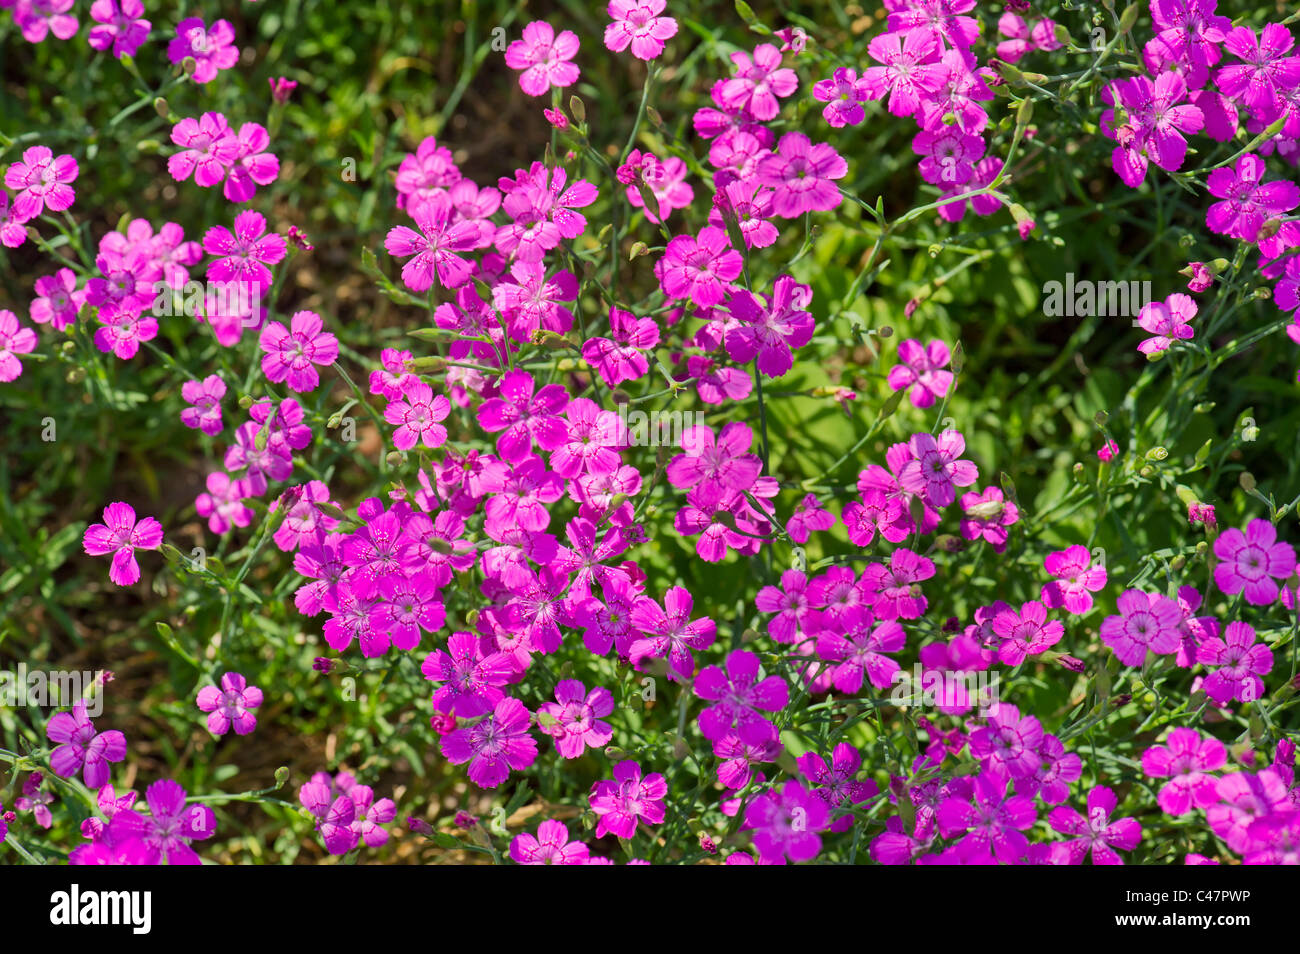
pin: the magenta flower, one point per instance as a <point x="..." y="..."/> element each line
<point x="759" y="80"/>
<point x="291" y="355"/>
<point x="14" y="340"/>
<point x="1253" y="562"/>
<point x="244" y="254"/>
<point x="121" y="536"/>
<point x="34" y="800"/>
<point x="801" y="174"/>
<point x="699" y="268"/>
<point x="209" y="147"/>
<point x="1076" y="579"/>
<point x="1246" y="801"/>
<point x="1096" y="834"/>
<point x="1155" y="119"/>
<point x="991" y="821"/>
<point x="1187" y="761"/>
<point x="469" y="677"/>
<point x="1008" y="742"/>
<point x="935" y="470"/>
<point x="223" y="503"/>
<point x="737" y="697"/>
<point x="628" y="799"/>
<point x="305" y="518"/>
<point x="1147" y="621"/>
<point x="544" y="58"/>
<point x="1240" y="661"/>
<point x="1026" y="633"/>
<point x="637" y="23"/>
<point x="1248" y="202"/>
<point x="1266" y="72"/>
<point x="876" y="513"/>
<point x="1168" y="321"/>
<point x="205" y="396"/>
<point x="621" y="357"/>
<point x="230" y="706"/>
<point x="809" y="516"/>
<point x="119" y="24"/>
<point x="713" y="467"/>
<point x="37" y="19"/>
<point x="12" y="233"/>
<point x="169" y="828"/>
<point x="551" y="846"/>
<point x="524" y="417"/>
<point x="418" y="416"/>
<point x="392" y="377"/>
<point x="837" y="785"/>
<point x="894" y="586"/>
<point x="495" y="745"/>
<point x="668" y="630"/>
<point x="843" y="95"/>
<point x="987" y="514"/>
<point x="335" y="814"/>
<point x="769" y="334"/>
<point x="922" y="371"/>
<point x="57" y="299"/>
<point x="253" y="164"/>
<point x="911" y="70"/>
<point x="859" y="649"/>
<point x="212" y="49"/>
<point x="434" y="246"/>
<point x="80" y="748"/>
<point x="786" y="823"/>
<point x="41" y="182"/>
<point x="573" y="720"/>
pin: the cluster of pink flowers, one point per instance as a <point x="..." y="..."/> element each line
<point x="346" y="812"/>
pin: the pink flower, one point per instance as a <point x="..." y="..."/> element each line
<point x="81" y="748"/>
<point x="1169" y="321"/>
<point x="669" y="631"/>
<point x="12" y="233"/>
<point x="1187" y="761"/>
<point x="769" y="334"/>
<point x="222" y="504"/>
<point x="253" y="165"/>
<point x="737" y="697"/>
<point x="1248" y="201"/>
<point x="41" y="182"/>
<point x="206" y="397"/>
<point x="935" y="470"/>
<point x="120" y="24"/>
<point x="1240" y="661"/>
<point x="229" y="707"/>
<point x="911" y="69"/>
<point x="786" y="823"/>
<point x="1146" y="622"/>
<point x="544" y="58"/>
<point x="434" y="246"/>
<point x="700" y="268"/>
<point x="417" y="417"/>
<point x="759" y="80"/>
<point x="1076" y="579"/>
<point x="921" y="370"/>
<point x="843" y="95"/>
<point x="469" y="676"/>
<point x="1154" y="124"/>
<point x="495" y="745"/>
<point x="244" y="254"/>
<point x="808" y="516"/>
<point x="14" y="340"/>
<point x="637" y="22"/>
<point x="524" y="418"/>
<point x="551" y="846"/>
<point x="1097" y="834"/>
<point x="121" y="536"/>
<point x="1253" y="562"/>
<point x="1026" y="633"/>
<point x="212" y="49"/>
<point x="801" y="174"/>
<point x="282" y="88"/>
<point x="988" y="514"/>
<point x="291" y="355"/>
<point x="39" y="18"/>
<point x="1106" y="453"/>
<point x="628" y="799"/>
<point x="859" y="649"/>
<point x="573" y="720"/>
<point x="713" y="466"/>
<point x="621" y="357"/>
